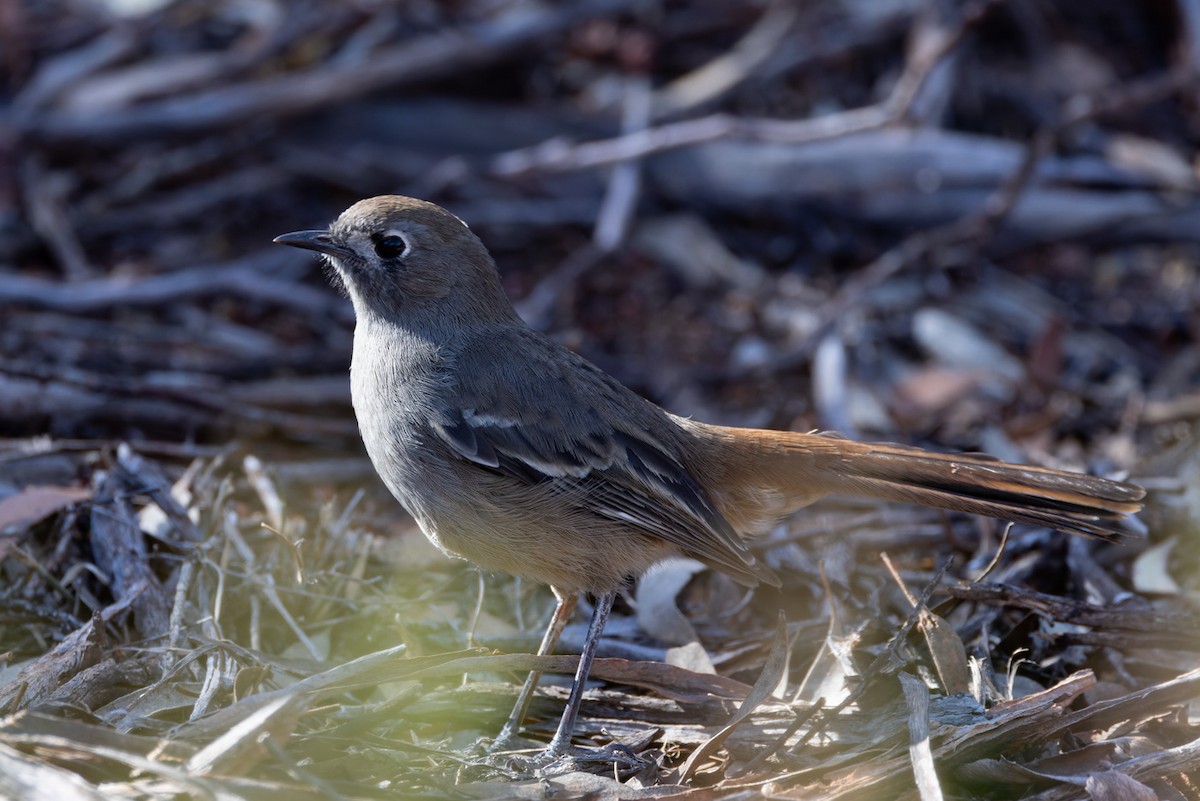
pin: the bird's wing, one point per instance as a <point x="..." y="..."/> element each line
<point x="553" y="418"/>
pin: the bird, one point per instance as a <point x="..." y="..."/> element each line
<point x="515" y="453"/>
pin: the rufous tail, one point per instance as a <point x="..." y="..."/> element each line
<point x="804" y="467"/>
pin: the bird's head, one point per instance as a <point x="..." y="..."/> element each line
<point x="404" y="259"/>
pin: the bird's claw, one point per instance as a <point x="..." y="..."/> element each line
<point x="552" y="762"/>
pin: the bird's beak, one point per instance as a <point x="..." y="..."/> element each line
<point x="320" y="241"/>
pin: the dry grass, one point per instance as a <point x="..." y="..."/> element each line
<point x="214" y="638"/>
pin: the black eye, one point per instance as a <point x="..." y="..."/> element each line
<point x="390" y="246"/>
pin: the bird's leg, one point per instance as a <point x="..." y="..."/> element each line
<point x="563" y="609"/>
<point x="561" y="743"/>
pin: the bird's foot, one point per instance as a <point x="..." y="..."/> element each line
<point x="508" y="740"/>
<point x="616" y="757"/>
<point x="557" y="761"/>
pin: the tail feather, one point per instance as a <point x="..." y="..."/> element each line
<point x="983" y="485"/>
<point x="1077" y="518"/>
<point x="764" y="474"/>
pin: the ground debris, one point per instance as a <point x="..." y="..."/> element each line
<point x="966" y="225"/>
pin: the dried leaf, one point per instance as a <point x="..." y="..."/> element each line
<point x="1112" y="785"/>
<point x="1151" y="570"/>
<point x="657" y="610"/>
<point x="768" y="680"/>
<point x="948" y="653"/>
<point x="35" y="503"/>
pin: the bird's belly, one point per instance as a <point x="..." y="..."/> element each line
<point x="503" y="524"/>
<point x="562" y="558"/>
<point x="508" y="527"/>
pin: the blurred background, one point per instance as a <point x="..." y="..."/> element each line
<point x="972" y="225"/>
<point x="968" y="222"/>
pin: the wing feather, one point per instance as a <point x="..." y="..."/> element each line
<point x="595" y="443"/>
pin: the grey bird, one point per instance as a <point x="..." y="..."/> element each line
<point x="513" y="452"/>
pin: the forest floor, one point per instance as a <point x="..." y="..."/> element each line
<point x="964" y="226"/>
